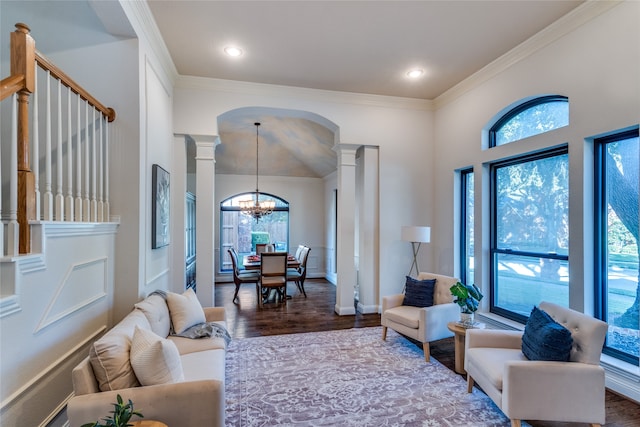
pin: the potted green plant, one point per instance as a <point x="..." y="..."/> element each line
<point x="468" y="298"/>
<point x="122" y="413"/>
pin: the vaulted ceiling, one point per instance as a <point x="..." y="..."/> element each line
<point x="350" y="46"/>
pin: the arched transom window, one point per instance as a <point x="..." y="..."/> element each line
<point x="530" y="118"/>
<point x="242" y="232"/>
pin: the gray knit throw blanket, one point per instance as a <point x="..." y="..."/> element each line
<point x="200" y="330"/>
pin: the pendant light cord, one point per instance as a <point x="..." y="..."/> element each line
<point x="257" y="190"/>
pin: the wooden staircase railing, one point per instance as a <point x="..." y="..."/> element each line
<point x="24" y="198"/>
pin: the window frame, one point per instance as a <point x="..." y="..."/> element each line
<point x="281" y="206"/>
<point x="464" y="181"/>
<point x="493" y="130"/>
<point x="600" y="275"/>
<point x="494" y="251"/>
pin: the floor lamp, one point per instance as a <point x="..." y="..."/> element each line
<point x="416" y="235"/>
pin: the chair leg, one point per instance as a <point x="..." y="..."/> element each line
<point x="427" y="351"/>
<point x="515" y="423"/>
<point x="469" y="384"/>
<point x="259" y="295"/>
<point x="301" y="285"/>
<point x="235" y="294"/>
<point x="384" y="333"/>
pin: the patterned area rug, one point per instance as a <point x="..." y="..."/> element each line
<point x="347" y="378"/>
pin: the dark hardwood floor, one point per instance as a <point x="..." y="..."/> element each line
<point x="316" y="313"/>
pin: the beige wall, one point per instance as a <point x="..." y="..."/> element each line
<point x="597" y="67"/>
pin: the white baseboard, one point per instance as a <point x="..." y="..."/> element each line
<point x="368" y="309"/>
<point x="345" y="311"/>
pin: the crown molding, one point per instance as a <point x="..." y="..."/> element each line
<point x="142" y="20"/>
<point x="563" y="26"/>
<point x="261" y="89"/>
<point x="144" y="24"/>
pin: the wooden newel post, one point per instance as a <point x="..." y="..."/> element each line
<point x="23" y="59"/>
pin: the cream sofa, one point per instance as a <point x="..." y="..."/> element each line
<point x="195" y="399"/>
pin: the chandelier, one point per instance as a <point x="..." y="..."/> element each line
<point x="256" y="208"/>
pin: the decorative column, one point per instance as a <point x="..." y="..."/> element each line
<point x="368" y="236"/>
<point x="178" y="189"/>
<point x="205" y="217"/>
<point x="346" y="269"/>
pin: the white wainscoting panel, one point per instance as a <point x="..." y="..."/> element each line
<point x="83" y="284"/>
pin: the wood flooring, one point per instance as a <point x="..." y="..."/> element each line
<point x="316" y="313"/>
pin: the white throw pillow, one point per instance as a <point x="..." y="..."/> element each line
<point x="185" y="310"/>
<point x="155" y="309"/>
<point x="155" y="360"/>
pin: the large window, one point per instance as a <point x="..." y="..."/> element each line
<point x="467" y="267"/>
<point x="243" y="232"/>
<point x="530" y="233"/>
<point x="616" y="237"/>
<point x="533" y="117"/>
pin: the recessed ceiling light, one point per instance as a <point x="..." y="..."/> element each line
<point x="415" y="73"/>
<point x="233" y="51"/>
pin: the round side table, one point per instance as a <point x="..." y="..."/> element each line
<point x="148" y="423"/>
<point x="460" y="332"/>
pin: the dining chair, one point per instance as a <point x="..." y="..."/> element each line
<point x="299" y="274"/>
<point x="273" y="275"/>
<point x="260" y="248"/>
<point x="241" y="276"/>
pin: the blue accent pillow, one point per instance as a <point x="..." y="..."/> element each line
<point x="419" y="293"/>
<point x="545" y="339"/>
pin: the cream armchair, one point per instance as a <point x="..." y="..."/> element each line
<point x="538" y="390"/>
<point x="424" y="324"/>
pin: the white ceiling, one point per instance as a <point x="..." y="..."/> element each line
<point x="351" y="46"/>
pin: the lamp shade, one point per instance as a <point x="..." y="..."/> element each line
<point x="415" y="233"/>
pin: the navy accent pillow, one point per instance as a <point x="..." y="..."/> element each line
<point x="419" y="293"/>
<point x="545" y="339"/>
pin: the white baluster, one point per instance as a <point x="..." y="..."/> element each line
<point x="68" y="205"/>
<point x="78" y="200"/>
<point x="13" y="228"/>
<point x="107" y="213"/>
<point x="87" y="147"/>
<point x="36" y="144"/>
<point x="94" y="202"/>
<point x="100" y="213"/>
<point x="59" y="216"/>
<point x="48" y="195"/>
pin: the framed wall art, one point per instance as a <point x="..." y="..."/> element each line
<point x="159" y="207"/>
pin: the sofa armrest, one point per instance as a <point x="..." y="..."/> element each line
<point x="435" y="319"/>
<point x="214" y="314"/>
<point x="493" y="338"/>
<point x="529" y="385"/>
<point x="185" y="404"/>
<point x="391" y="301"/>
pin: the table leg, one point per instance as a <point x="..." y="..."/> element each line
<point x="459" y="349"/>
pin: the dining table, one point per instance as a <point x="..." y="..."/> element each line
<point x="252" y="262"/>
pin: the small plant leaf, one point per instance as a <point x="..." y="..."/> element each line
<point x="474" y="292"/>
<point x="121" y="415"/>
